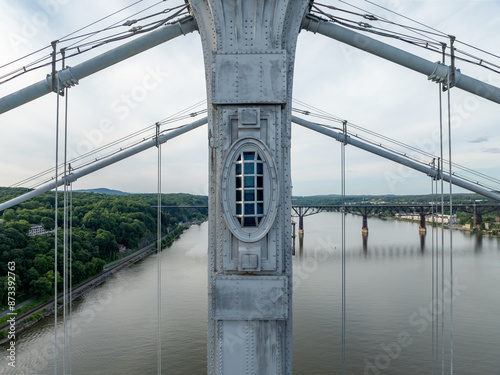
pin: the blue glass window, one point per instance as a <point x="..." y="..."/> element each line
<point x="260" y="195"/>
<point x="249" y="195"/>
<point x="248" y="155"/>
<point x="249" y="208"/>
<point x="249" y="222"/>
<point x="249" y="170"/>
<point x="259" y="168"/>
<point x="249" y="181"/>
<point x="260" y="181"/>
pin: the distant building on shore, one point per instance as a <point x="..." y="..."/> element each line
<point x="428" y="218"/>
<point x="36" y="230"/>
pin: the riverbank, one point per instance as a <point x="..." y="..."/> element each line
<point x="45" y="309"/>
<point x="463" y="228"/>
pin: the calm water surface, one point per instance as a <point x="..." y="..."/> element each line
<point x="389" y="286"/>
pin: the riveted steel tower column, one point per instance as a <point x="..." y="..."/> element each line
<point x="249" y="49"/>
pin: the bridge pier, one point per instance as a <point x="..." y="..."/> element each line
<point x="478" y="220"/>
<point x="301" y="225"/>
<point x="364" y="227"/>
<point x="303" y="211"/>
<point x="422" y="229"/>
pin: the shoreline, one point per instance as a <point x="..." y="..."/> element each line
<point x="23" y="322"/>
<point x="459" y="227"/>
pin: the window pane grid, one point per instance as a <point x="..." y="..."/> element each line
<point x="249" y="171"/>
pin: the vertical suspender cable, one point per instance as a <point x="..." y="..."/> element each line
<point x="436" y="272"/>
<point x="55" y="85"/>
<point x="65" y="226"/>
<point x="433" y="306"/>
<point x="450" y="83"/>
<point x="342" y="161"/>
<point x="442" y="219"/>
<point x="158" y="247"/>
<point x="70" y="265"/>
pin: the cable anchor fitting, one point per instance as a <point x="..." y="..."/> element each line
<point x="365" y="25"/>
<point x="135" y="29"/>
<point x="311" y="23"/>
<point x="440" y="75"/>
<point x="129" y="23"/>
<point x="344" y="130"/>
<point x="65" y="77"/>
<point x="157" y="140"/>
<point x="452" y="55"/>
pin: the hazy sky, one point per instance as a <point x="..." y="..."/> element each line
<point x="353" y="85"/>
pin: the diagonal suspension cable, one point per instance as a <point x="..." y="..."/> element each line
<point x="434" y="29"/>
<point x="37" y="64"/>
<point x="429" y="42"/>
<point x="414" y="150"/>
<point x="121" y="144"/>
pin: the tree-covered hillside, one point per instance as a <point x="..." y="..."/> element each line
<point x="101" y="224"/>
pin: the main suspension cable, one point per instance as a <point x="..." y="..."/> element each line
<point x="428" y="42"/>
<point x="181" y="115"/>
<point x="434" y="29"/>
<point x="412" y="152"/>
<point x="37" y="64"/>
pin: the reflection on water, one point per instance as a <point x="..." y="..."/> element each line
<point x="388" y="291"/>
<point x="422" y="242"/>
<point x="479" y="242"/>
<point x="364" y="236"/>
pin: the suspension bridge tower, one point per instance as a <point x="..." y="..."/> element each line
<point x="249" y="48"/>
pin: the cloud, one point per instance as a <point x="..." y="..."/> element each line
<point x="347" y="82"/>
<point x="479" y="139"/>
<point x="494" y="150"/>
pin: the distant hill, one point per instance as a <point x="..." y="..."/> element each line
<point x="103" y="191"/>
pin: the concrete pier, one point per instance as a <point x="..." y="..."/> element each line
<point x="422" y="229"/>
<point x="364" y="227"/>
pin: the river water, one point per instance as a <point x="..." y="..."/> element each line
<point x="388" y="325"/>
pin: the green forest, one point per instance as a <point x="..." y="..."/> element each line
<point x="102" y="225"/>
